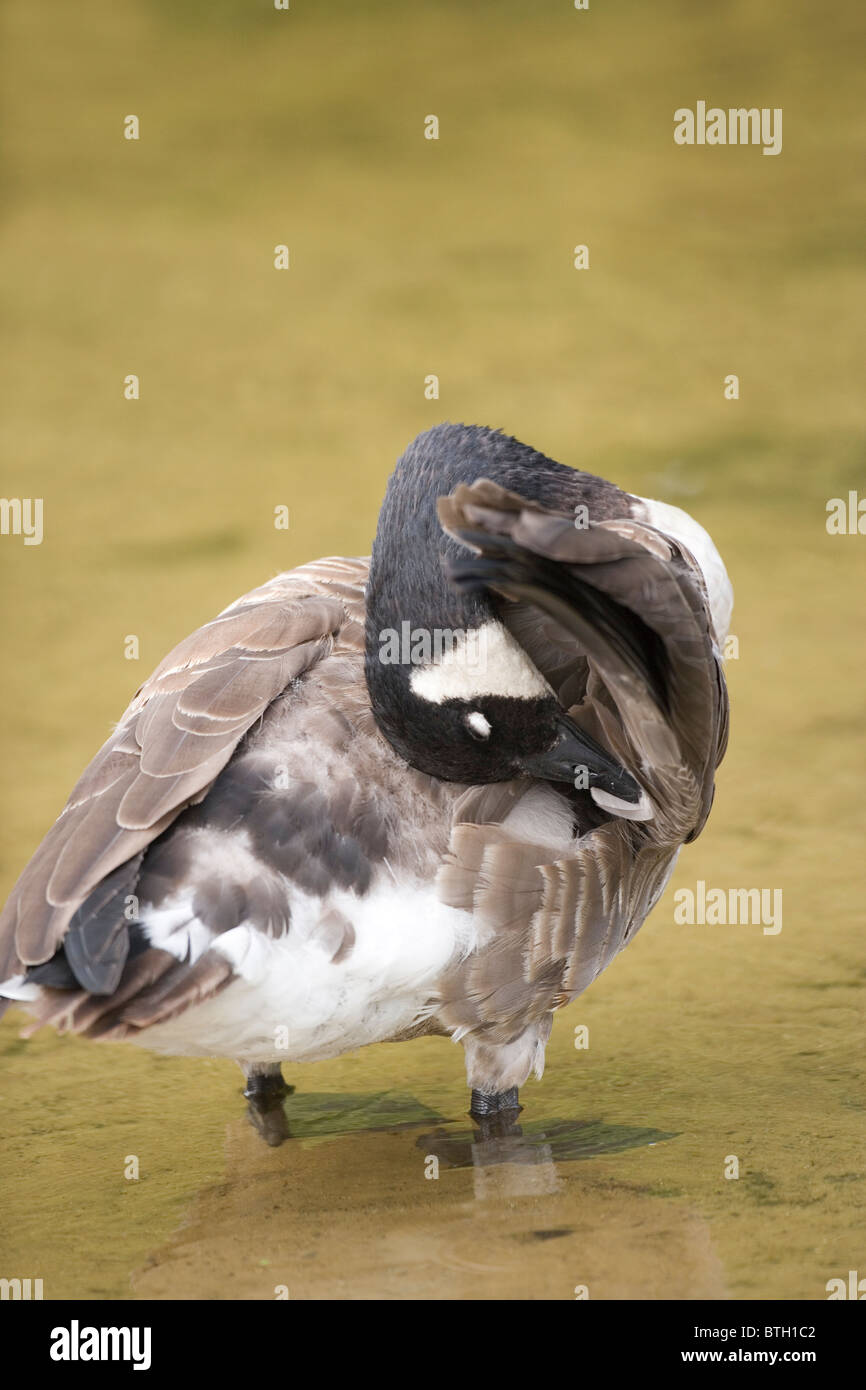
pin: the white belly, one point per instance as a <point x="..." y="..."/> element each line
<point x="292" y="1002"/>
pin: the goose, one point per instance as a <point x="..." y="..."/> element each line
<point x="432" y="792"/>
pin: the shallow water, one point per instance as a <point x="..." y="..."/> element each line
<point x="617" y="1182"/>
<point x="704" y="1042"/>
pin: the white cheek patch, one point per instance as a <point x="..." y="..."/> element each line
<point x="485" y="661"/>
<point x="477" y="721"/>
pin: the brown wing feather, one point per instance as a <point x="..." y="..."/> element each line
<point x="177" y="734"/>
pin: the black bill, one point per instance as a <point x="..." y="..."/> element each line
<point x="578" y="759"/>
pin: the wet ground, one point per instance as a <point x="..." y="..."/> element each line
<point x="706" y="1044"/>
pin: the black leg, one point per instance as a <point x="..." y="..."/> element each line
<point x="496" y="1113"/>
<point x="485" y="1103"/>
<point x="265" y="1092"/>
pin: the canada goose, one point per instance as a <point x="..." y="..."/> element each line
<point x="435" y="792"/>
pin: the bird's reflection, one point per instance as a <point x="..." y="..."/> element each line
<point x="510" y="1159"/>
<point x="267" y="1115"/>
<point x="505" y="1161"/>
<point x="490" y="1143"/>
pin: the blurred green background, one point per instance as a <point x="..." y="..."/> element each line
<point x="258" y="388"/>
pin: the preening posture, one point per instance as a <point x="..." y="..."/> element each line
<point x="431" y="792"/>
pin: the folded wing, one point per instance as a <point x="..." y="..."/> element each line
<point x="176" y="736"/>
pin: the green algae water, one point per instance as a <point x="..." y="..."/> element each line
<point x="712" y="1050"/>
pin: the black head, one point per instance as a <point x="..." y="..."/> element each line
<point x="493" y="738"/>
<point x="472" y="741"/>
<point x="450" y="688"/>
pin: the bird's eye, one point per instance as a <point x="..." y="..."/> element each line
<point x="478" y="725"/>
